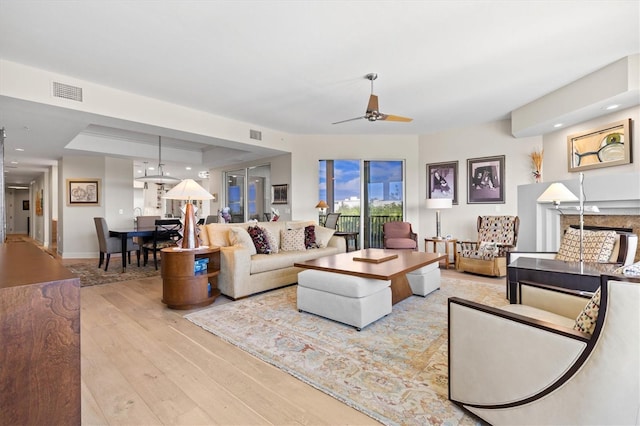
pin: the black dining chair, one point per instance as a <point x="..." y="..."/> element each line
<point x="167" y="234"/>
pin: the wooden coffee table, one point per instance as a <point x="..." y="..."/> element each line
<point x="395" y="269"/>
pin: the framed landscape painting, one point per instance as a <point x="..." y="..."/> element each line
<point x="442" y="181"/>
<point x="485" y="180"/>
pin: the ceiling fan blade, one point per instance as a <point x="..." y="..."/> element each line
<point x="388" y="117"/>
<point x="351" y="119"/>
<point x="373" y="104"/>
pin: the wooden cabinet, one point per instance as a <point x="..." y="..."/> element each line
<point x="182" y="286"/>
<point x="39" y="338"/>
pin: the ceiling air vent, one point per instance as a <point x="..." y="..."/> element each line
<point x="255" y="134"/>
<point x="65" y="91"/>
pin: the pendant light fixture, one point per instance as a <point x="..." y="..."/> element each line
<point x="160" y="178"/>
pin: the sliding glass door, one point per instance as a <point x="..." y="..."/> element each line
<point x="246" y="193"/>
<point x="365" y="193"/>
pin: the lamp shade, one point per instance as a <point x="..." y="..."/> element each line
<point x="188" y="189"/>
<point x="439" y="203"/>
<point x="556" y="193"/>
<point x="322" y="205"/>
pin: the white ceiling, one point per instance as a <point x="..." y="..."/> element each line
<point x="298" y="66"/>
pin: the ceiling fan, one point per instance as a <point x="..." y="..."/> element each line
<point x="373" y="113"/>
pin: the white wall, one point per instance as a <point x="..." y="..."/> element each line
<point x="555" y="166"/>
<point x="490" y="139"/>
<point x="617" y="185"/>
<point x="76" y="224"/>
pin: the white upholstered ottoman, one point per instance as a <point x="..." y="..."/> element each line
<point x="344" y="298"/>
<point x="425" y="280"/>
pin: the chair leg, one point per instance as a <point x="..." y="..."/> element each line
<point x="145" y="256"/>
<point x="138" y="257"/>
<point x="155" y="258"/>
<point x="106" y="265"/>
<point x="101" y="259"/>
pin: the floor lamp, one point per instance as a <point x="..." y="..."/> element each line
<point x="438" y="204"/>
<point x="189" y="190"/>
<point x="557" y="193"/>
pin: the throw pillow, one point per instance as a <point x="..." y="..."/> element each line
<point x="310" y="237"/>
<point x="629" y="270"/>
<point x="259" y="239"/>
<point x="597" y="246"/>
<point x="323" y="235"/>
<point x="240" y="237"/>
<point x="488" y="248"/>
<point x="292" y="239"/>
<point x="274" y="244"/>
<point x="569" y="250"/>
<point x="586" y="321"/>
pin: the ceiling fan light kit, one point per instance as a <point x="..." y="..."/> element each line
<point x="373" y="112"/>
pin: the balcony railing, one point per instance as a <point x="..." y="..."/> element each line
<point x="373" y="229"/>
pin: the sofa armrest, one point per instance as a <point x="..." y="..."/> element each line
<point x="526" y="355"/>
<point x="338" y="242"/>
<point x="235" y="268"/>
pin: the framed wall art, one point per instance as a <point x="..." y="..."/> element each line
<point x="485" y="180"/>
<point x="279" y="194"/>
<point x="83" y="192"/>
<point x="605" y="146"/>
<point x="25" y="204"/>
<point x="442" y="181"/>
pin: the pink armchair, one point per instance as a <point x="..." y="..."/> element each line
<point x="399" y="235"/>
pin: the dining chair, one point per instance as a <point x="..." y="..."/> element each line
<point x="166" y="234"/>
<point x="108" y="245"/>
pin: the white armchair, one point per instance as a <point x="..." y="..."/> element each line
<point x="526" y="364"/>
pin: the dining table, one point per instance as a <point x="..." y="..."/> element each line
<point x="125" y="234"/>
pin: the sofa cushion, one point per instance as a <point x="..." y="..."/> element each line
<point x="240" y="237"/>
<point x="586" y="321"/>
<point x="323" y="235"/>
<point x="218" y="234"/>
<point x="597" y="246"/>
<point x="259" y="239"/>
<point x="292" y="239"/>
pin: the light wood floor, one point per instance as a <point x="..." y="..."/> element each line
<point x="143" y="364"/>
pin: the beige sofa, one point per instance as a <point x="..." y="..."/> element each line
<point x="243" y="272"/>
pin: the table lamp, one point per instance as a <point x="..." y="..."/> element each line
<point x="188" y="190"/>
<point x="438" y="204"/>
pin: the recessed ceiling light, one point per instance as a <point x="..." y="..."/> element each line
<point x="139" y="171"/>
<point x="151" y="168"/>
<point x="558" y="125"/>
<point x="188" y="168"/>
<point x="614" y="106"/>
<point x="20" y="149"/>
<point x="14" y="162"/>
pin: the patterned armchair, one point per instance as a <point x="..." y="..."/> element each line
<point x="497" y="235"/>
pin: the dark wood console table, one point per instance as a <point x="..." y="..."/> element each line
<point x="40" y="338"/>
<point x="554" y="272"/>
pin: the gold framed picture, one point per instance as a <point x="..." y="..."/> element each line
<point x="83" y="192"/>
<point x="605" y="146"/>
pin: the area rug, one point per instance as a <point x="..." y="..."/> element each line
<point x="394" y="370"/>
<point x="90" y="274"/>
